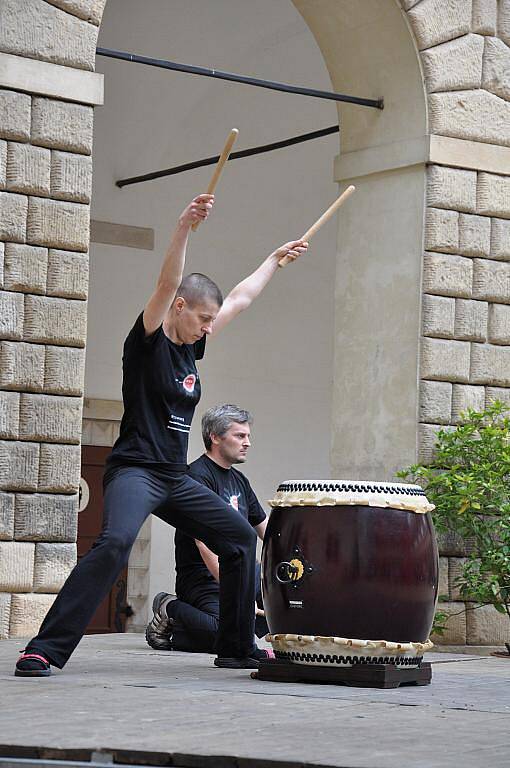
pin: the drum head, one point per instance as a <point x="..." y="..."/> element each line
<point x="312" y="493"/>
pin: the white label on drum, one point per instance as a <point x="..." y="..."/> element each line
<point x="295" y="603"/>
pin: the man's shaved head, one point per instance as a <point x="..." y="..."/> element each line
<point x="197" y="288"/>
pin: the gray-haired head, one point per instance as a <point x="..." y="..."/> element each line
<point x="197" y="288"/>
<point x="218" y="420"/>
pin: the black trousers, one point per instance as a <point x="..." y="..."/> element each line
<point x="131" y="494"/>
<point x="196" y="614"/>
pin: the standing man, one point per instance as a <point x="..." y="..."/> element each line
<point x="146" y="471"/>
<point x="190" y="622"/>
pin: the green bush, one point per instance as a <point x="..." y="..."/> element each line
<point x="469" y="483"/>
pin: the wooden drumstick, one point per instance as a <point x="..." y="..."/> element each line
<point x="227" y="149"/>
<point x="333" y="208"/>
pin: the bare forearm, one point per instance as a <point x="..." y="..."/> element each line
<point x="210" y="560"/>
<point x="248" y="289"/>
<point x="170" y="276"/>
<point x="173" y="265"/>
<point x="261" y="529"/>
<point x="253" y="285"/>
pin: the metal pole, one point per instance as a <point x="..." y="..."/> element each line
<point x="275" y="86"/>
<point x="234" y="156"/>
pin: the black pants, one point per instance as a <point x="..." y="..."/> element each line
<point x="196" y="615"/>
<point x="131" y="494"/>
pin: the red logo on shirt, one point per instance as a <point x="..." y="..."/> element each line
<point x="189" y="382"/>
<point x="234" y="502"/>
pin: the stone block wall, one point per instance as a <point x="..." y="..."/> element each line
<point x="468" y="623"/>
<point x="465" y="350"/>
<point x="45" y="191"/>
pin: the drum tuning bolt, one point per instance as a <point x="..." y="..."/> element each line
<point x="291" y="571"/>
<point x="288" y="572"/>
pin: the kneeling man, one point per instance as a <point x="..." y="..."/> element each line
<point x="190" y="621"/>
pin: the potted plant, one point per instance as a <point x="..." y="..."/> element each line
<point x="469" y="483"/>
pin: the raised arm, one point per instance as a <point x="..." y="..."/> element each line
<point x="248" y="289"/>
<point x="170" y="276"/>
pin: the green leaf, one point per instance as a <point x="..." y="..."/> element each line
<point x="469" y="484"/>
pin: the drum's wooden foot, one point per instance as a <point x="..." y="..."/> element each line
<point x="359" y="675"/>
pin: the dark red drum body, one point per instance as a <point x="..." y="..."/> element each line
<point x="350" y="570"/>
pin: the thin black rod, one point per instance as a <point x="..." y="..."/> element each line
<point x="234" y="156"/>
<point x="113" y="54"/>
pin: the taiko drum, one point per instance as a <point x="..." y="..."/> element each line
<point x="350" y="572"/>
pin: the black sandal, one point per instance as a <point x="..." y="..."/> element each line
<point x="32" y="665"/>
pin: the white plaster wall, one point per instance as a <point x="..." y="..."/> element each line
<point x="378" y="296"/>
<point x="277" y="359"/>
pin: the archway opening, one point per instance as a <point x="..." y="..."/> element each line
<point x="285" y="359"/>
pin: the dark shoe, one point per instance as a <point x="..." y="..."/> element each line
<point x="263" y="654"/>
<point x="158" y="632"/>
<point x="32" y="664"/>
<point x="231" y="662"/>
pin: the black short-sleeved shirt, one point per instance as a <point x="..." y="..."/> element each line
<point x="234" y="488"/>
<point x="160" y="389"/>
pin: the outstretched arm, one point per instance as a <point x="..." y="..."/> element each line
<point x="248" y="289"/>
<point x="170" y="276"/>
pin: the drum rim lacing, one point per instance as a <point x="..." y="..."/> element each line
<point x="290" y="641"/>
<point x="356" y="486"/>
<point x="398" y="496"/>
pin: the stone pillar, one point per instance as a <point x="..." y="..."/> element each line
<point x="47" y="93"/>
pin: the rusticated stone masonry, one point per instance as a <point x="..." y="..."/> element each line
<point x="45" y="189"/>
<point x="466" y="339"/>
<point x="465" y="362"/>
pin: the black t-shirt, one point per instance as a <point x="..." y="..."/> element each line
<point x="160" y="389"/>
<point x="234" y="488"/>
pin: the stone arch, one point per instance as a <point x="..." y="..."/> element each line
<point x="459" y="154"/>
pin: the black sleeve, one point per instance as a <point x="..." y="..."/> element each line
<point x="138" y="339"/>
<point x="203" y="475"/>
<point x="199" y="348"/>
<point x="255" y="512"/>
